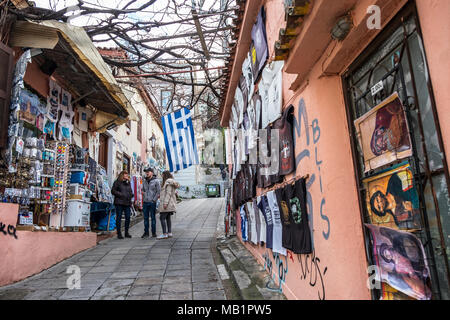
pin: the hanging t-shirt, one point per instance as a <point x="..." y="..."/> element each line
<point x="285" y="219"/>
<point x="253" y="234"/>
<point x="244" y="224"/>
<point x="239" y="104"/>
<point x="247" y="72"/>
<point x="244" y="90"/>
<point x="257" y="219"/>
<point x="259" y="49"/>
<point x="263" y="205"/>
<point x="264" y="177"/>
<point x="284" y="126"/>
<point x="271" y="91"/>
<point x="262" y="220"/>
<point x="252" y="130"/>
<point x="277" y="225"/>
<point x="295" y="197"/>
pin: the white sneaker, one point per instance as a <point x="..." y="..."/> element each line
<point x="169" y="235"/>
<point x="161" y="236"/>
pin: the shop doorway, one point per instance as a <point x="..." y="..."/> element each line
<point x="395" y="63"/>
<point x="103" y="151"/>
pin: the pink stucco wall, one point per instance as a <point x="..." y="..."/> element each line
<point x="338" y="267"/>
<point x="33" y="252"/>
<point x="434" y="17"/>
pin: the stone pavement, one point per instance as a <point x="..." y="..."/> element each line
<point x="140" y="269"/>
<point x="252" y="280"/>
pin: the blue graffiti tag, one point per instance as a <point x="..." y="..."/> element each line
<point x="280" y="272"/>
<point x="306" y="153"/>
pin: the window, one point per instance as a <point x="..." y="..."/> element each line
<point x="396" y="63"/>
<point x="139" y="127"/>
<point x="103" y="151"/>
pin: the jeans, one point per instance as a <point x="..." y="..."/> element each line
<point x="149" y="212"/>
<point x="165" y="218"/>
<point x="119" y="210"/>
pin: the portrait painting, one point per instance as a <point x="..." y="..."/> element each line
<point x="401" y="261"/>
<point x="392" y="199"/>
<point x="383" y="134"/>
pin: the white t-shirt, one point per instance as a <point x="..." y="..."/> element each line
<point x="247" y="71"/>
<point x="253" y="235"/>
<point x="277" y="224"/>
<point x="271" y="91"/>
<point x="262" y="230"/>
<point x="239" y="105"/>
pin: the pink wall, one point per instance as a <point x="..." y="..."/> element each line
<point x="434" y="16"/>
<point x="33" y="252"/>
<point x="337" y="269"/>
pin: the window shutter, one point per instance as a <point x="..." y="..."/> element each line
<point x="139" y="128"/>
<point x="6" y="75"/>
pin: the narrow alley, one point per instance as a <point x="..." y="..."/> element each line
<point x="180" y="268"/>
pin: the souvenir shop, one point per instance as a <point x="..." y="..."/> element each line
<point x="356" y="206"/>
<point x="52" y="189"/>
<point x="51" y="177"/>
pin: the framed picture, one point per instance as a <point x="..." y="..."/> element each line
<point x="383" y="134"/>
<point x="401" y="263"/>
<point x="392" y="199"/>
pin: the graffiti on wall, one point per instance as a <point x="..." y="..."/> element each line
<point x="311" y="270"/>
<point x="8" y="230"/>
<point x="305" y="130"/>
<point x="278" y="269"/>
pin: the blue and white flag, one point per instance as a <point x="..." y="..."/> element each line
<point x="181" y="147"/>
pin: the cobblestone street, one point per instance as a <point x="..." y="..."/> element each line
<point x="180" y="268"/>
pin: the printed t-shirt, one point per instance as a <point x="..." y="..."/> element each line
<point x="257" y="218"/>
<point x="277" y="225"/>
<point x="253" y="234"/>
<point x="262" y="220"/>
<point x="265" y="209"/>
<point x="295" y="197"/>
<point x="244" y="224"/>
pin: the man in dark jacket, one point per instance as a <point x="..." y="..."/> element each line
<point x="123" y="195"/>
<point x="151" y="189"/>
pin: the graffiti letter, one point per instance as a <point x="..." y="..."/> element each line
<point x="12" y="231"/>
<point x="74" y="281"/>
<point x="316" y="131"/>
<point x="2" y="228"/>
<point x="324" y="217"/>
<point x="297" y="122"/>
<point x="374" y="21"/>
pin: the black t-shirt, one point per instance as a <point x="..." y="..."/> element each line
<point x="287" y="240"/>
<point x="299" y="239"/>
<point x="287" y="161"/>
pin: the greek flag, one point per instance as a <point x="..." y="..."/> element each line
<point x="181" y="147"/>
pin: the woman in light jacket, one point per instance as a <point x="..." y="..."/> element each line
<point x="168" y="201"/>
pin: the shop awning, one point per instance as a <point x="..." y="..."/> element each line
<point x="79" y="63"/>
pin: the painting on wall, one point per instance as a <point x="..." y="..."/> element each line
<point x="392" y="199"/>
<point x="383" y="134"/>
<point x="401" y="261"/>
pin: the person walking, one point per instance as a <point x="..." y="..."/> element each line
<point x="151" y="189"/>
<point x="123" y="195"/>
<point x="168" y="204"/>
